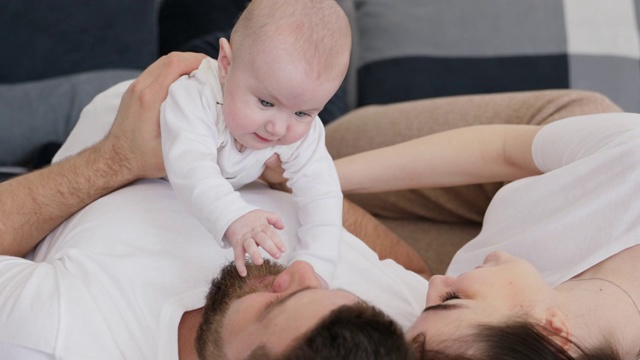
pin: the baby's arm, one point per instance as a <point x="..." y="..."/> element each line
<point x="189" y="146"/>
<point x="316" y="190"/>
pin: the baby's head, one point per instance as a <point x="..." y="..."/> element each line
<point x="285" y="60"/>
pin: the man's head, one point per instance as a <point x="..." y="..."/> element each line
<point x="285" y="60"/>
<point x="275" y="312"/>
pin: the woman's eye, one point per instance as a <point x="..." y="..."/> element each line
<point x="449" y="295"/>
<point x="301" y="114"/>
<point x="265" y="103"/>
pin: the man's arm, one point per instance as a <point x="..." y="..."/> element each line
<point x="381" y="239"/>
<point x="33" y="205"/>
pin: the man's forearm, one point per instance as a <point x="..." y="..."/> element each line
<point x="381" y="239"/>
<point x="32" y="205"/>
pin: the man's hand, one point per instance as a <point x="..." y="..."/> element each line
<point x="253" y="229"/>
<point x="273" y="174"/>
<point x="33" y="205"/>
<point x="135" y="135"/>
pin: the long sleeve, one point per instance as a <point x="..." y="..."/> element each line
<point x="190" y="140"/>
<point x="316" y="191"/>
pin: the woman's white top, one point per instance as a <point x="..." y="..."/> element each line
<point x="582" y="210"/>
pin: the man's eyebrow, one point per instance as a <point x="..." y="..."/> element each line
<point x="443" y="307"/>
<point x="281" y="302"/>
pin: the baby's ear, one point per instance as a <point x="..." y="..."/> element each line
<point x="556" y="324"/>
<point x="224" y="59"/>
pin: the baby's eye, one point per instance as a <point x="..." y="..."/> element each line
<point x="301" y="114"/>
<point x="265" y="103"/>
<point x="449" y="295"/>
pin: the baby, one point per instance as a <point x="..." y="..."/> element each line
<point x="261" y="99"/>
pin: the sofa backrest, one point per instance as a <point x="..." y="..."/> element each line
<point x="413" y="49"/>
<point x="47" y="38"/>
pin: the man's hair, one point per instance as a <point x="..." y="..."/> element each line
<point x="356" y="331"/>
<point x="319" y="30"/>
<point x="518" y="339"/>
<point x="353" y="331"/>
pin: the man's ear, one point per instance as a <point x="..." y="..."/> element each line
<point x="556" y="324"/>
<point x="224" y="59"/>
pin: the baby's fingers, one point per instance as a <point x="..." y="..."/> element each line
<point x="252" y="249"/>
<point x="277" y="240"/>
<point x="271" y="243"/>
<point x="274" y="220"/>
<point x="238" y="255"/>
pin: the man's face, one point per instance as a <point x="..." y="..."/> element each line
<point x="271" y="306"/>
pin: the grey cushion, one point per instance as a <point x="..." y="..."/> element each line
<point x="411" y="49"/>
<point x="44" y="38"/>
<point x="39" y="112"/>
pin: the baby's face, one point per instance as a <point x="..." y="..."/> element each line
<point x="271" y="98"/>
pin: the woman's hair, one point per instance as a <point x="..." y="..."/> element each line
<point x="516" y="340"/>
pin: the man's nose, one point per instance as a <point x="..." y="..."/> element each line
<point x="298" y="275"/>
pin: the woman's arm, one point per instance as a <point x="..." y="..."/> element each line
<point x="32" y="205"/>
<point x="469" y="155"/>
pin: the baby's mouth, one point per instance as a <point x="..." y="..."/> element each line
<point x="263" y="139"/>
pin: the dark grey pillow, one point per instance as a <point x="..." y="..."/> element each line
<point x="35" y="113"/>
<point x="44" y="38"/>
<point x="413" y="49"/>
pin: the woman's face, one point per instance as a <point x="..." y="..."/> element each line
<point x="503" y="287"/>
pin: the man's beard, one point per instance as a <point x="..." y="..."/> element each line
<point x="225" y="289"/>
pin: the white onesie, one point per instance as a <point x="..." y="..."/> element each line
<point x="205" y="168"/>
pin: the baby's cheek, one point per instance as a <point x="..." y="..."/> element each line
<point x="297" y="134"/>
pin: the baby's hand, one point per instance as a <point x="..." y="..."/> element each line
<point x="253" y="229"/>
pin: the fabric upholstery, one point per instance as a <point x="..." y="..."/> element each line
<point x="42" y="39"/>
<point x="412" y="49"/>
<point x="35" y="113"/>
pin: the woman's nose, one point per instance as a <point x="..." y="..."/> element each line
<point x="298" y="275"/>
<point x="438" y="286"/>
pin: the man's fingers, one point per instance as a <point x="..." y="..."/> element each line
<point x="169" y="68"/>
<point x="154" y="82"/>
<point x="273" y="161"/>
<point x="172" y="67"/>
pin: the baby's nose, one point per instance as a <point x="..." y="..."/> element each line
<point x="277" y="127"/>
